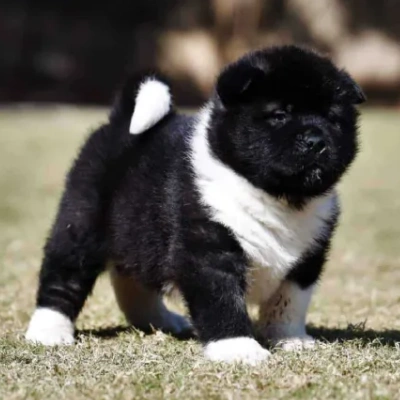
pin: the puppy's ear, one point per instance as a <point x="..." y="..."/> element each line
<point x="238" y="82"/>
<point x="352" y="90"/>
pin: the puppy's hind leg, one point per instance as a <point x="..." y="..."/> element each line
<point x="76" y="250"/>
<point x="74" y="257"/>
<point x="144" y="308"/>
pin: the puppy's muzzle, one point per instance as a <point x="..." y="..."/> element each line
<point x="314" y="141"/>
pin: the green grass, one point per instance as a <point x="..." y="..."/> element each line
<point x="355" y="313"/>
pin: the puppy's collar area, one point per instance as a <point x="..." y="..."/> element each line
<point x="153" y="102"/>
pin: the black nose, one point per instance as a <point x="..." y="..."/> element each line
<point x="314" y="140"/>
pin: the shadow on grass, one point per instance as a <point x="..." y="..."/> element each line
<point x="115" y="331"/>
<point x="356" y="332"/>
<point x="330" y="335"/>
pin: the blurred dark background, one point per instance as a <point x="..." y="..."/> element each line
<point x="78" y="51"/>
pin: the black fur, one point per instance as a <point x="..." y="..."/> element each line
<point x="133" y="200"/>
<point x="256" y="123"/>
<point x="309" y="268"/>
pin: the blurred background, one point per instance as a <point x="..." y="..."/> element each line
<point x="78" y="51"/>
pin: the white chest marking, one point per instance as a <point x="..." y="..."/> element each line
<point x="273" y="235"/>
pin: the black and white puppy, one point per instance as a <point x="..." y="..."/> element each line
<point x="234" y="204"/>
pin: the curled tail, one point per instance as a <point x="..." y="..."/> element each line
<point x="145" y="100"/>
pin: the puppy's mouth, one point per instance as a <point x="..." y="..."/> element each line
<point x="315" y="166"/>
<point x="316" y="174"/>
<point x="316" y="158"/>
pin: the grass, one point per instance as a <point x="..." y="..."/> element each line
<point x="355" y="313"/>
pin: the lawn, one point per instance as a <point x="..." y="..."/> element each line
<point x="355" y="313"/>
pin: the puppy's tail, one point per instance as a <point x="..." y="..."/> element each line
<point x="146" y="100"/>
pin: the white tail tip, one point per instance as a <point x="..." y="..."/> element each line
<point x="153" y="102"/>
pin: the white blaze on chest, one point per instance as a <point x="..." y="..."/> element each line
<point x="273" y="235"/>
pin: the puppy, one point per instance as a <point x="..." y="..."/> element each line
<point x="234" y="204"/>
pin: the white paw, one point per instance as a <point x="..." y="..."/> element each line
<point x="50" y="328"/>
<point x="305" y="342"/>
<point x="241" y="349"/>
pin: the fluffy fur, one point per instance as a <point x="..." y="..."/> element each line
<point x="234" y="204"/>
<point x="153" y="102"/>
<point x="272" y="237"/>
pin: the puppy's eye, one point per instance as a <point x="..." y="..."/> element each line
<point x="278" y="115"/>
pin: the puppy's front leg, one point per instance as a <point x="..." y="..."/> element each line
<point x="283" y="317"/>
<point x="214" y="289"/>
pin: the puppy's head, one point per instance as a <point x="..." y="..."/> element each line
<point x="285" y="119"/>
